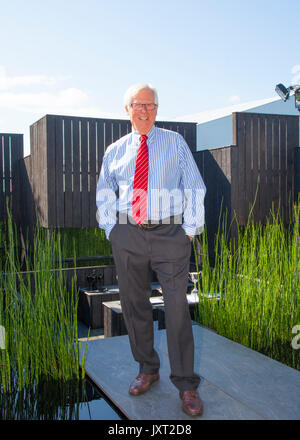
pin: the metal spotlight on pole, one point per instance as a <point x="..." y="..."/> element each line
<point x="285" y="93"/>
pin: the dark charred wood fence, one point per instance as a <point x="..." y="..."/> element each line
<point x="11" y="153"/>
<point x="260" y="172"/>
<point x="57" y="182"/>
<point x="65" y="161"/>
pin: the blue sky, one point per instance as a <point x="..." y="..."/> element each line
<point x="78" y="57"/>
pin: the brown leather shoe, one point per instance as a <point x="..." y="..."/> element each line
<point x="142" y="383"/>
<point x="191" y="403"/>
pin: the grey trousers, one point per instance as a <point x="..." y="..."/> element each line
<point x="166" y="250"/>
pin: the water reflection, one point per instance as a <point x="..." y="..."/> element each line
<point x="57" y="400"/>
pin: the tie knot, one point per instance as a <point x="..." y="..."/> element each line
<point x="143" y="137"/>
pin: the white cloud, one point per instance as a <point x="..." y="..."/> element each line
<point x="8" y="82"/>
<point x="44" y="102"/>
<point x="71" y="101"/>
<point x="68" y="101"/>
<point x="33" y="96"/>
<point x="25" y="99"/>
<point x="296" y="73"/>
<point x="234" y="99"/>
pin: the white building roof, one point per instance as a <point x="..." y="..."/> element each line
<point x="210" y="115"/>
<point x="214" y="127"/>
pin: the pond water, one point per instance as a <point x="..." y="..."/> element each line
<point x="53" y="400"/>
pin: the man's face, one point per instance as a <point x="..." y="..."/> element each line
<point x="142" y="120"/>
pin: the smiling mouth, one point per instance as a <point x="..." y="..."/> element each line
<point x="143" y="118"/>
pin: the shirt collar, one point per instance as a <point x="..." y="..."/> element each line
<point x="150" y="134"/>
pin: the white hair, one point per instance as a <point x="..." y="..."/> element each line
<point x="135" y="88"/>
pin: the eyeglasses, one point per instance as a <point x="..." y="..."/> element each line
<point x="138" y="106"/>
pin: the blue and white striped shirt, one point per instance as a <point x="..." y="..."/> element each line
<point x="175" y="185"/>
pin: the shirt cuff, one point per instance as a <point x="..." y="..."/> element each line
<point x="192" y="230"/>
<point x="108" y="230"/>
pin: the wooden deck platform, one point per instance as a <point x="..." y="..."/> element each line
<point x="237" y="382"/>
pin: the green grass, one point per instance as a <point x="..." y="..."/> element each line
<point x="259" y="283"/>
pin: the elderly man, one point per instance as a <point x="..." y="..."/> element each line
<point x="150" y="199"/>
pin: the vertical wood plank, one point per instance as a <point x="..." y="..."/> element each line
<point x="34" y="165"/>
<point x="234" y="165"/>
<point x="255" y="147"/>
<point x="43" y="177"/>
<point x="11" y="152"/>
<point x="33" y="148"/>
<point x="76" y="195"/>
<point x="282" y="171"/>
<point x="191" y="135"/>
<point x="234" y="181"/>
<point x="59" y="180"/>
<point x="50" y="196"/>
<point x="242" y="196"/>
<point x="7" y="170"/>
<point x="85" y="215"/>
<point x="297" y="174"/>
<point x="68" y="199"/>
<point x="262" y="168"/>
<point x="16" y="156"/>
<point x="277" y="199"/>
<point x="116" y="131"/>
<point x="248" y="177"/>
<point x="292" y="143"/>
<point x="269" y="189"/>
<point x="107" y="133"/>
<point x="100" y="145"/>
<point x="92" y="174"/>
<point x="123" y="128"/>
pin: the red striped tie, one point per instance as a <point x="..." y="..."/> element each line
<point x="140" y="183"/>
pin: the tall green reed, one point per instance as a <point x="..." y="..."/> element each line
<point x="259" y="284"/>
<point x="85" y="242"/>
<point x="39" y="315"/>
